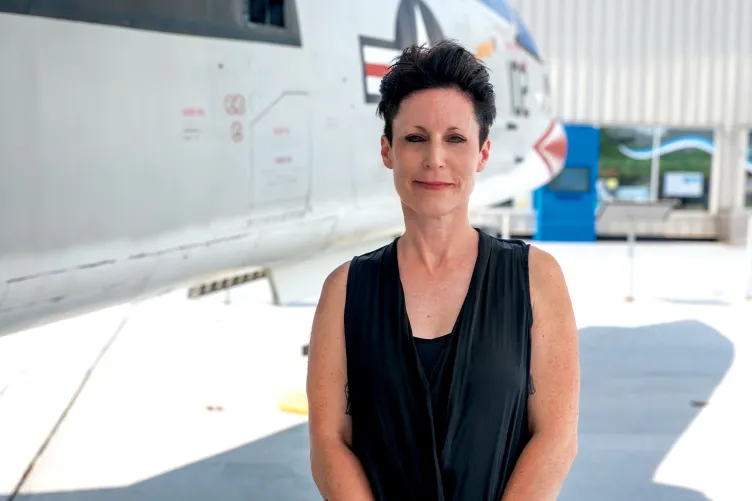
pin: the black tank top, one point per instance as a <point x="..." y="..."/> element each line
<point x="429" y="351"/>
<point x="456" y="433"/>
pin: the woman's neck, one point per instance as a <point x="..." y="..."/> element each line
<point x="438" y="242"/>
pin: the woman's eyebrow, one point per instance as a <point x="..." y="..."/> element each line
<point x="450" y="128"/>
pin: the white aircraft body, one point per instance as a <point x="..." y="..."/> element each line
<point x="150" y="145"/>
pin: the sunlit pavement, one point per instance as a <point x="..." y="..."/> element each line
<point x="184" y="402"/>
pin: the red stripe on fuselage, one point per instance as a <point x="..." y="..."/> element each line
<point x="376" y="70"/>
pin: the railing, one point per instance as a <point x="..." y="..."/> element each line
<point x="748" y="260"/>
<point x="501" y="219"/>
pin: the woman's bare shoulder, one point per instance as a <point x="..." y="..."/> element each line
<point x="335" y="285"/>
<point x="542" y="262"/>
<point x="328" y="319"/>
<point x="547" y="280"/>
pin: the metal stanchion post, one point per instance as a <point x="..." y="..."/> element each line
<point x="632" y="213"/>
<point x="748" y="274"/>
<point x="505" y="225"/>
<point x="631" y="238"/>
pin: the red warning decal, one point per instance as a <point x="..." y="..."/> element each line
<point x="193" y="112"/>
<point x="236" y="131"/>
<point x="235" y="104"/>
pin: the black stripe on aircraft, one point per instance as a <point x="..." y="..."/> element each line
<point x="414" y="20"/>
<point x="228" y="19"/>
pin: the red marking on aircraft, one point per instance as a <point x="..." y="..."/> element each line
<point x="193" y="112"/>
<point x="236" y="132"/>
<point x="235" y="104"/>
<point x="552" y="146"/>
<point x="376" y="70"/>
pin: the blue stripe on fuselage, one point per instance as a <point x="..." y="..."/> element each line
<point x="524" y="38"/>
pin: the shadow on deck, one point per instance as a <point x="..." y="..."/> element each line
<point x="641" y="388"/>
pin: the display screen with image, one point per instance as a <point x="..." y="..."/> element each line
<point x="571" y="179"/>
<point x="683" y="184"/>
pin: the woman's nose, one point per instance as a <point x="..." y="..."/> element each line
<point x="435" y="155"/>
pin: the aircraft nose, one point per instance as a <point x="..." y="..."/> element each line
<point x="551" y="147"/>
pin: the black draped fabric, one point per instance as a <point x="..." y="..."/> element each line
<point x="454" y="434"/>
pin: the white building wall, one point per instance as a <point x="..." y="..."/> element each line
<point x="677" y="63"/>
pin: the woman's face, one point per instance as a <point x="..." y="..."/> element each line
<point x="435" y="151"/>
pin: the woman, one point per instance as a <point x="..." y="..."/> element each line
<point x="443" y="366"/>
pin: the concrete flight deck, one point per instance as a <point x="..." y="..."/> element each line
<point x="178" y="398"/>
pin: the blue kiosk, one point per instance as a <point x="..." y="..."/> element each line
<point x="566" y="205"/>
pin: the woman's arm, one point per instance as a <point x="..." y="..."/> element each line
<point x="336" y="471"/>
<point x="554" y="401"/>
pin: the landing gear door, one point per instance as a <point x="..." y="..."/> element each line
<point x="280" y="140"/>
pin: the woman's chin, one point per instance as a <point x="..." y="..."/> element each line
<point x="432" y="208"/>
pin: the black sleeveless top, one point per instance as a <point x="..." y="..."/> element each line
<point x="456" y="433"/>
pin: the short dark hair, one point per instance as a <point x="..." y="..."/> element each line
<point x="447" y="64"/>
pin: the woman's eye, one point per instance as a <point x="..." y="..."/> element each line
<point x="417" y="139"/>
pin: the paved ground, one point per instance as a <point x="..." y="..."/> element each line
<point x="183" y="404"/>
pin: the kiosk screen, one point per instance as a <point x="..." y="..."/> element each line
<point x="571" y="179"/>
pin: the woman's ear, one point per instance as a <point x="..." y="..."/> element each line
<point x="386" y="152"/>
<point x="483" y="155"/>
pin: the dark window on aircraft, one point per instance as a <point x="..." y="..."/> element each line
<point x="209" y="18"/>
<point x="270" y="12"/>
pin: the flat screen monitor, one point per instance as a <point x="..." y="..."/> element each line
<point x="571" y="180"/>
<point x="683" y="184"/>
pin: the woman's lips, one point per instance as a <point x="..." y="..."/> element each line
<point x="434" y="185"/>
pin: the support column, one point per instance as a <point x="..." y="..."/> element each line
<point x="727" y="184"/>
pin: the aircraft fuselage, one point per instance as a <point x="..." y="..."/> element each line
<point x="139" y="156"/>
